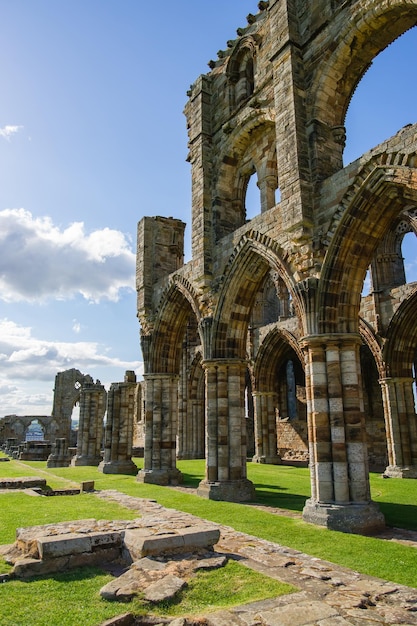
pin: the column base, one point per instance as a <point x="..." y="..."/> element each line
<point x="85" y="460"/>
<point x="399" y="471"/>
<point x="160" y="477"/>
<point x="118" y="467"/>
<point x="227" y="490"/>
<point x="360" y="519"/>
<point x="268" y="460"/>
<point x="58" y="462"/>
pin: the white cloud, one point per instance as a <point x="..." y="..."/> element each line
<point x="40" y="261"/>
<point x="76" y="326"/>
<point x="29" y="366"/>
<point x="26" y="357"/>
<point x="8" y="131"/>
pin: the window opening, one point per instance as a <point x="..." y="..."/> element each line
<point x="252" y="198"/>
<point x="367" y="283"/>
<point x="34" y="431"/>
<point x="374" y="113"/>
<point x="409" y="253"/>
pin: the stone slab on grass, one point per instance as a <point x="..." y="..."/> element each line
<point x="185" y="540"/>
<point x="53" y="547"/>
<point x="22" y="482"/>
<point x="165" y="589"/>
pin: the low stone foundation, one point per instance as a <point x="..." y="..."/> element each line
<point x="51" y="548"/>
<point x="23" y="482"/>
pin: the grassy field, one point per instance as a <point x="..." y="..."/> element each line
<point x="279" y="487"/>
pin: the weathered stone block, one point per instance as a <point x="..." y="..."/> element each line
<point x="164" y="589"/>
<point x="53" y="547"/>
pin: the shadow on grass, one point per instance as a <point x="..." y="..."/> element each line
<point x="77" y="574"/>
<point x="273" y="496"/>
<point x="280" y="500"/>
<point x="399" y="515"/>
<point x="190" y="480"/>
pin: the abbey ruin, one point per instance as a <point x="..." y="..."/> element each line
<point x="108" y="425"/>
<point x="263" y="345"/>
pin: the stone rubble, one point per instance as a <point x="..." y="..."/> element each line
<point x="329" y="595"/>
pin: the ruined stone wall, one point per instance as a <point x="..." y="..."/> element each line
<point x="282" y="292"/>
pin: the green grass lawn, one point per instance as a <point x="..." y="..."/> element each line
<point x="73" y="597"/>
<point x="276" y="486"/>
<point x="74" y="600"/>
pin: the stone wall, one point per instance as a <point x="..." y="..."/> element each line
<point x="271" y="305"/>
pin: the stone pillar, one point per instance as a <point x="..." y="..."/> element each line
<point x="401" y="427"/>
<point x="225" y="432"/>
<point x="118" y="433"/>
<point x="190" y="438"/>
<point x="340" y="494"/>
<point x="267" y="187"/>
<point x="161" y="404"/>
<point x="90" y="429"/>
<point x="265" y="428"/>
<point x="61" y="456"/>
<point x="198" y="111"/>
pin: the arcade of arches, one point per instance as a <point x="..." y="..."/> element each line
<point x="67" y="393"/>
<point x="263" y="345"/>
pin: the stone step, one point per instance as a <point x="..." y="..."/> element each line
<point x="139" y="545"/>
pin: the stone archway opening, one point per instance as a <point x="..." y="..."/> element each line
<point x="35" y="431"/>
<point x="372" y="97"/>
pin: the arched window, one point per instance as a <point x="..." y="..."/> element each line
<point x="245" y="80"/>
<point x="241" y="72"/>
<point x="34" y="431"/>
<point x="409" y="253"/>
<point x="252" y="197"/>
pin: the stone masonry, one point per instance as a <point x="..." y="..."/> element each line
<point x="266" y="325"/>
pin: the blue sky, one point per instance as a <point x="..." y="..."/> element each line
<point x="92" y="138"/>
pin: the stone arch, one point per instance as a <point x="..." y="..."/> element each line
<point x="381" y="197"/>
<point x="19" y="429"/>
<point x="241" y="71"/>
<point x="253" y="258"/>
<point x="373" y="371"/>
<point x="67" y="392"/>
<point x="387" y="267"/>
<point x="280" y="404"/>
<point x="177" y="305"/>
<point x="251" y="148"/>
<point x="398" y="388"/>
<point x="34" y="420"/>
<point x="400" y="349"/>
<point x="191" y="424"/>
<point x="374" y="345"/>
<point x="371" y="27"/>
<point x="352" y="42"/>
<point x="274" y="348"/>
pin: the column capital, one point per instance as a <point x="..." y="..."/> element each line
<point x="160" y="376"/>
<point x="341" y="339"/>
<point x="394" y="380"/>
<point x="221" y="363"/>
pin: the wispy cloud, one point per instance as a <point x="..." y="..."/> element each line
<point x="8" y="131"/>
<point x="28" y="366"/>
<point x="40" y="261"/>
